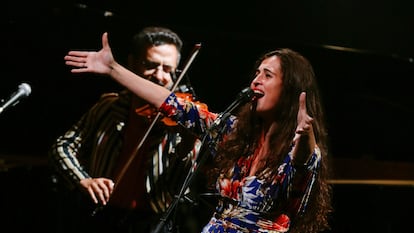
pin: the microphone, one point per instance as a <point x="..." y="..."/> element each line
<point x="243" y="97"/>
<point x="23" y="91"/>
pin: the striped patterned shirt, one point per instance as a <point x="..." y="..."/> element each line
<point x="96" y="147"/>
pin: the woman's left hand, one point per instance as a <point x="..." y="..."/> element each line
<point x="304" y="139"/>
<point x="304" y="120"/>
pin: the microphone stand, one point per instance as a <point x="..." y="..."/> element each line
<point x="245" y="95"/>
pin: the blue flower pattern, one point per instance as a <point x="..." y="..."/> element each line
<point x="246" y="198"/>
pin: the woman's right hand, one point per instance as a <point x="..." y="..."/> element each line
<point x="98" y="189"/>
<point x="100" y="62"/>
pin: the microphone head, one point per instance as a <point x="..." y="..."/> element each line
<point x="249" y="94"/>
<point x="25" y="88"/>
<point x="246" y="93"/>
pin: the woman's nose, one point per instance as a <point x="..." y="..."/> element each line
<point x="257" y="80"/>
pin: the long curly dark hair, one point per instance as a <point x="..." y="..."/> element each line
<point x="298" y="76"/>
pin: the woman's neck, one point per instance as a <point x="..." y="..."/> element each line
<point x="262" y="150"/>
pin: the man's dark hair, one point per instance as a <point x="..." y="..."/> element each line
<point x="154" y="36"/>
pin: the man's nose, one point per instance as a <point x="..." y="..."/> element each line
<point x="159" y="75"/>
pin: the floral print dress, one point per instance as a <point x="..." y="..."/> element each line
<point x="267" y="202"/>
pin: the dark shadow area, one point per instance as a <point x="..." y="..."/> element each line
<point x="372" y="208"/>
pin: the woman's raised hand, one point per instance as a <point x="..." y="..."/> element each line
<point x="100" y="62"/>
<point x="304" y="139"/>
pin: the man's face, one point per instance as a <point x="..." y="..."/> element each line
<point x="158" y="64"/>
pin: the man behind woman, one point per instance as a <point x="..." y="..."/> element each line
<point x="93" y="156"/>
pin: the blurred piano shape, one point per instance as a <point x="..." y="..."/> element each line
<point x="9" y="162"/>
<point x="369" y="106"/>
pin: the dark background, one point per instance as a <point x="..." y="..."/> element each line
<point x="362" y="53"/>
